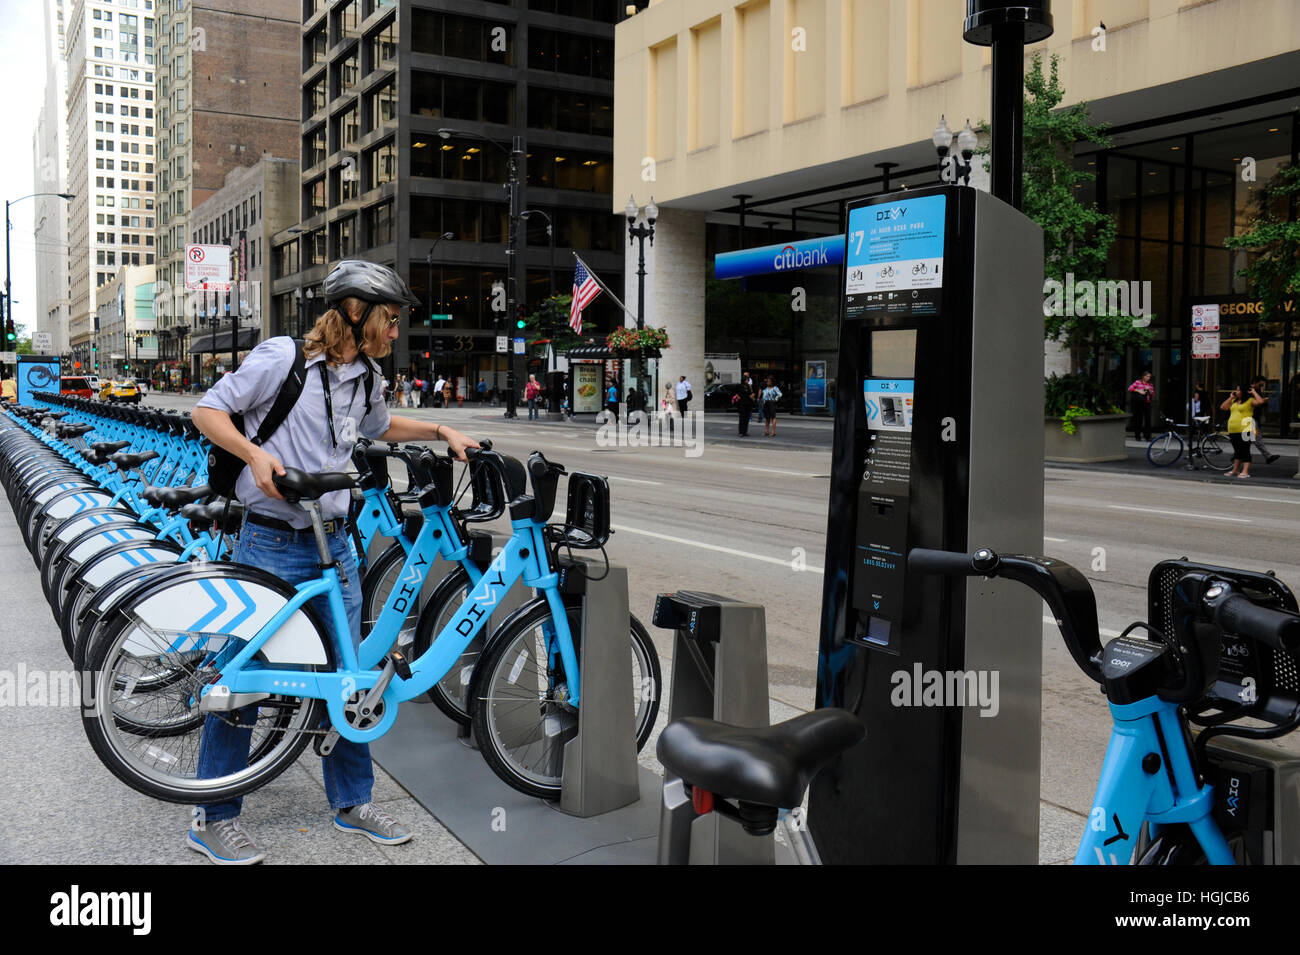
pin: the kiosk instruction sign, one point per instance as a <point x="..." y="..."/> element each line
<point x="894" y="257"/>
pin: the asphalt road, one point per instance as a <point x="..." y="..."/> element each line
<point x="747" y="518"/>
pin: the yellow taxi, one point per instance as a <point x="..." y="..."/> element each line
<point x="119" y="389"/>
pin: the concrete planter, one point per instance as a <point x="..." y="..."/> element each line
<point x="1096" y="438"/>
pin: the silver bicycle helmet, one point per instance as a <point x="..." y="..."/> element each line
<point x="371" y="282"/>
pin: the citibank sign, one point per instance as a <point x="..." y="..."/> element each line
<point x="807" y="254"/>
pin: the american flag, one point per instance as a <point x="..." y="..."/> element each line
<point x="585" y="290"/>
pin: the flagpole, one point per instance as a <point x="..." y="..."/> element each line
<point x="605" y="288"/>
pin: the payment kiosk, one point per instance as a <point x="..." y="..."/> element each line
<point x="938" y="444"/>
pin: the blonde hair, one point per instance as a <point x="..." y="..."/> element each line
<point x="331" y="331"/>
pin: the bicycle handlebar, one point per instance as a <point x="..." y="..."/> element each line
<point x="1238" y="614"/>
<point x="1065" y="590"/>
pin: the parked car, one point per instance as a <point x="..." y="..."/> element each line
<point x="120" y="389"/>
<point x="718" y="397"/>
<point x="142" y="385"/>
<point x="95" y="383"/>
<point x="77" y="385"/>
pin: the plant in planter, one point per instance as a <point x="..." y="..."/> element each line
<point x="1070" y="397"/>
<point x="630" y="341"/>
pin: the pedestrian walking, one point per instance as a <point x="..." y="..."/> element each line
<point x="531" y="392"/>
<point x="1260" y="386"/>
<point x="771" y="394"/>
<point x="683" y="394"/>
<point x="482" y="391"/>
<point x="424" y="392"/>
<point x="747" y="380"/>
<point x="611" y="399"/>
<point x="366" y="302"/>
<point x="743" y="402"/>
<point x="1241" y="405"/>
<point x="1141" y="394"/>
<point x="437" y="391"/>
<point x="446" y="393"/>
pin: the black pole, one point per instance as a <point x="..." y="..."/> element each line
<point x="1008" y="112"/>
<point x="512" y="254"/>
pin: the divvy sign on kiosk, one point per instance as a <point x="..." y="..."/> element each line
<point x="938" y="444"/>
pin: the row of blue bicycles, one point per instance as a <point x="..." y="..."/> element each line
<point x="133" y="547"/>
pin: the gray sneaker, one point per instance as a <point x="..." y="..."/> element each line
<point x="372" y="821"/>
<point x="225" y="843"/>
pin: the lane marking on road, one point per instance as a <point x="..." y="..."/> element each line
<point x="619" y="477"/>
<point x="1270" y="500"/>
<point x="1203" y="517"/>
<point x="779" y="471"/>
<point x="1056" y="540"/>
<point x="1101" y="630"/>
<point x="780" y="562"/>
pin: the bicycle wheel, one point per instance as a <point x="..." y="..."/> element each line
<point x="378" y="582"/>
<point x="1164" y="449"/>
<point x="151" y="741"/>
<point x="522" y="719"/>
<point x="1216" y="450"/>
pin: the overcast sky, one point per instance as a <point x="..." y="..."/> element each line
<point x="22" y="78"/>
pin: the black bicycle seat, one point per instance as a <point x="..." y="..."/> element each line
<point x="767" y="765"/>
<point x="298" y="485"/>
<point x="174" y="497"/>
<point x="110" y="447"/>
<point x="212" y="514"/>
<point x="126" y="461"/>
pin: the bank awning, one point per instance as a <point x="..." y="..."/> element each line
<point x="220" y="341"/>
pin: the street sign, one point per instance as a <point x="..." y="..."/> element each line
<point x="503" y="345"/>
<point x="519" y="346"/>
<point x="207" y="267"/>
<point x="1205" y="318"/>
<point x="8" y="357"/>
<point x="42" y="341"/>
<point x="440" y="318"/>
<point x="1205" y="345"/>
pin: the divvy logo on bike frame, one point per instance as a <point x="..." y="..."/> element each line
<point x="920" y="687"/>
<point x="77" y="908"/>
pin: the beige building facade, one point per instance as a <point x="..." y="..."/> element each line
<point x="761" y="117"/>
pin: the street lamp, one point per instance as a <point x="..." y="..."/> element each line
<point x="966" y="142"/>
<point x="639" y="233"/>
<point x="428" y="321"/>
<point x="9" y="296"/>
<point x="299" y="297"/>
<point x="513" y="184"/>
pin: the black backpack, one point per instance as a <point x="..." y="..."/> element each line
<point x="224" y="468"/>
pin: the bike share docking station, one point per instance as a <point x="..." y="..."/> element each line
<point x="938" y="443"/>
<point x="720" y="673"/>
<point x="608" y="804"/>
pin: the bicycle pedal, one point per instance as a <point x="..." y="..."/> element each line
<point x="324" y="745"/>
<point x="400" y="664"/>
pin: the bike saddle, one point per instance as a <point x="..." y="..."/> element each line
<point x="212" y="513"/>
<point x="174" y="497"/>
<point x="56" y="415"/>
<point x="766" y="765"/>
<point x="298" y="485"/>
<point x="73" y="430"/>
<point x="126" y="461"/>
<point x="109" y="447"/>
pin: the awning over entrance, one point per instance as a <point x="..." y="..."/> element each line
<point x="588" y="353"/>
<point x="220" y="341"/>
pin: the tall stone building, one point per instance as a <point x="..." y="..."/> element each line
<point x="228" y="95"/>
<point x="50" y="174"/>
<point x="110" y="162"/>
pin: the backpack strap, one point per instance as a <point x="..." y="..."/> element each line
<point x="286" y="399"/>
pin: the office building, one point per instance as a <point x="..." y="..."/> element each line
<point x="763" y="118"/>
<point x="227" y="92"/>
<point x="50" y="174"/>
<point x="110" y="151"/>
<point x="126" y="345"/>
<point x="379" y="80"/>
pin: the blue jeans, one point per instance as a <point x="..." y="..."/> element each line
<point x="349" y="774"/>
<point x="532" y="409"/>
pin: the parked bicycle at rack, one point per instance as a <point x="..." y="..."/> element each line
<point x="1209" y="449"/>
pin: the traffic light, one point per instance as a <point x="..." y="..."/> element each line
<point x="126" y="366"/>
<point x="10" y="334"/>
<point x="520" y="321"/>
<point x="426" y="354"/>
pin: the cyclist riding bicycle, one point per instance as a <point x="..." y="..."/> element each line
<point x="366" y="302"/>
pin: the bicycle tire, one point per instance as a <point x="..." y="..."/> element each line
<point x="1216" y="451"/>
<point x="1164" y="449"/>
<point x="531" y="760"/>
<point x="132" y="756"/>
<point x="380" y="576"/>
<point x="451" y="693"/>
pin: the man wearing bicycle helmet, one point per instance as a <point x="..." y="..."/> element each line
<point x="334" y="408"/>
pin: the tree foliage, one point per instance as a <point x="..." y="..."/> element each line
<point x="1273" y="274"/>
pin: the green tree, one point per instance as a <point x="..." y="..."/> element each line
<point x="1273" y="238"/>
<point x="23" y="346"/>
<point x="551" y="320"/>
<point x="1077" y="236"/>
